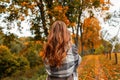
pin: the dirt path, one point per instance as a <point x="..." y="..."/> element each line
<point x="98" y="72"/>
<point x="80" y="69"/>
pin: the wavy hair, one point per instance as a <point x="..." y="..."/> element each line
<point x="57" y="44"/>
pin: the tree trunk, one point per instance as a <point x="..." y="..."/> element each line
<point x="73" y="30"/>
<point x="116" y="59"/>
<point x="81" y="40"/>
<point x="110" y="55"/>
<point x="106" y="54"/>
<point x="79" y="25"/>
<point x="42" y="12"/>
<point x="49" y="6"/>
<point x="77" y="32"/>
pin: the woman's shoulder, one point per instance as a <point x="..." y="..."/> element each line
<point x="72" y="49"/>
<point x="74" y="46"/>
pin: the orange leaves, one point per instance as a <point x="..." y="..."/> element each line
<point x="59" y="13"/>
<point x="66" y="21"/>
<point x="105" y="8"/>
<point x="61" y="9"/>
<point x="41" y="53"/>
<point x="109" y="68"/>
<point x="38" y="42"/>
<point x="91" y="30"/>
<point x="91" y="24"/>
<point x="105" y="1"/>
<point x="87" y="22"/>
<point x="28" y="5"/>
<point x="24" y="4"/>
<point x="26" y="43"/>
<point x="58" y="8"/>
<point x="21" y="18"/>
<point x="101" y="1"/>
<point x="98" y="67"/>
<point x="73" y="24"/>
<point x="88" y="68"/>
<point x="73" y="35"/>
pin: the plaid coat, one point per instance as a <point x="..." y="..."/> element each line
<point x="69" y="65"/>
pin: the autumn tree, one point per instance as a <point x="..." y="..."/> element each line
<point x="90" y="6"/>
<point x="91" y="34"/>
<point x="19" y="10"/>
<point x="41" y="14"/>
<point x="58" y="12"/>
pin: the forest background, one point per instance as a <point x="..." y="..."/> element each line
<point x="91" y="22"/>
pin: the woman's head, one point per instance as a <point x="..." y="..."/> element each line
<point x="58" y="40"/>
<point x="59" y="32"/>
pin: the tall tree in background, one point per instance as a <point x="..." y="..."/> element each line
<point x="91" y="29"/>
<point x="89" y="5"/>
<point x="19" y="10"/>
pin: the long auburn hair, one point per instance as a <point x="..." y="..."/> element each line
<point x="57" y="44"/>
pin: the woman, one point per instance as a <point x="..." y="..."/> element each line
<point x="60" y="55"/>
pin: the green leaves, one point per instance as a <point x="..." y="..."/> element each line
<point x="96" y="3"/>
<point x="10" y="64"/>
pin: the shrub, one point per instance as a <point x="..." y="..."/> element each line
<point x="10" y="64"/>
<point x="15" y="47"/>
<point x="33" y="57"/>
<point x="32" y="54"/>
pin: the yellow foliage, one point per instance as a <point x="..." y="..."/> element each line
<point x="87" y="22"/>
<point x="58" y="8"/>
<point x="26" y="43"/>
<point x="97" y="64"/>
<point x="2" y="48"/>
<point x="38" y="42"/>
<point x="30" y="6"/>
<point x="102" y="1"/>
<point x="21" y="18"/>
<point x="24" y="3"/>
<point x="73" y="24"/>
<point x="59" y="12"/>
<point x="8" y="1"/>
<point x="105" y="8"/>
<point x="66" y="21"/>
<point x="73" y="35"/>
<point x="41" y="53"/>
<point x="66" y="8"/>
<point x="105" y="1"/>
<point x="91" y="34"/>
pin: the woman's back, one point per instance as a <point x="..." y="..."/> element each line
<point x="60" y="56"/>
<point x="68" y="66"/>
